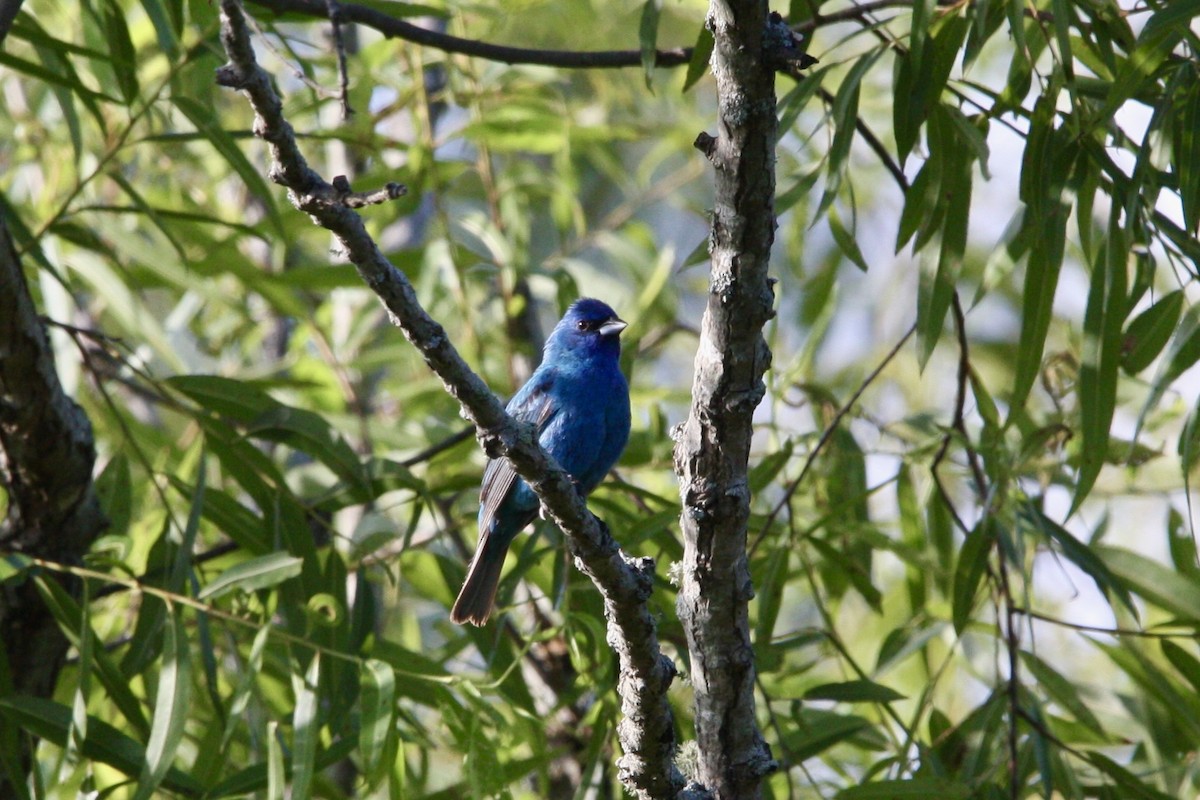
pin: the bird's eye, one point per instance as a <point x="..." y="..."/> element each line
<point x="583" y="325"/>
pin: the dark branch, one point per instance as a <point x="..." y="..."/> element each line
<point x="646" y="732"/>
<point x="8" y="13"/>
<point x="46" y="457"/>
<point x="569" y="59"/>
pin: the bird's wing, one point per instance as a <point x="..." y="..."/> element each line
<point x="532" y="404"/>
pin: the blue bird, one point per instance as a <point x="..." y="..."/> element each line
<point x="579" y="402"/>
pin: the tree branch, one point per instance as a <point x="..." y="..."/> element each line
<point x="646" y="732"/>
<point x="8" y="13"/>
<point x="713" y="447"/>
<point x="46" y="457"/>
<point x="570" y="59"/>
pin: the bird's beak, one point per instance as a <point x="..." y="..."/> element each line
<point x="613" y="327"/>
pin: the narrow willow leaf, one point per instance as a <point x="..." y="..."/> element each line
<point x="121" y="50"/>
<point x="1079" y="554"/>
<point x="698" y="66"/>
<point x="224" y="144"/>
<point x="306" y="729"/>
<point x="936" y="293"/>
<point x="249" y="674"/>
<point x="925" y="788"/>
<point x="1185" y="662"/>
<point x="50" y="721"/>
<point x="1148" y="333"/>
<point x="845" y="119"/>
<point x="242" y="401"/>
<point x="276" y="774"/>
<point x="172" y="706"/>
<point x="1100" y="364"/>
<point x="1062" y="690"/>
<point x="114" y="488"/>
<point x="846" y="240"/>
<point x="648" y="38"/>
<point x="164" y="27"/>
<point x="1186" y="150"/>
<point x="262" y="572"/>
<point x="1132" y="787"/>
<point x="377" y="707"/>
<point x="311" y="433"/>
<point x="1160" y="585"/>
<point x="68" y="615"/>
<point x="819" y="732"/>
<point x="859" y="691"/>
<point x="1044" y="175"/>
<point x="1181" y="355"/>
<point x="968" y="573"/>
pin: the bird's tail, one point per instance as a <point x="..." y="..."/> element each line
<point x="475" y="599"/>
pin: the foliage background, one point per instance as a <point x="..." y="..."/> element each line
<point x="246" y="390"/>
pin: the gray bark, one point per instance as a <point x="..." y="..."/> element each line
<point x="46" y="459"/>
<point x="713" y="448"/>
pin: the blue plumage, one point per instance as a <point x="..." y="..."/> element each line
<point x="579" y="401"/>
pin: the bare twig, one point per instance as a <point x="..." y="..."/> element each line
<point x="646" y="732"/>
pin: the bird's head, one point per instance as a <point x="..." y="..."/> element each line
<point x="588" y="327"/>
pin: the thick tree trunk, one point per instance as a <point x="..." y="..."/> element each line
<point x="713" y="449"/>
<point x="46" y="459"/>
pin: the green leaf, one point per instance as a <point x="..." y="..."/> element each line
<point x="1044" y="176"/>
<point x="1148" y="333"/>
<point x="1099" y="367"/>
<point x="1182" y="354"/>
<point x="172" y="707"/>
<point x="223" y="143"/>
<point x="1080" y="555"/>
<point x="377" y="707"/>
<point x="859" y="691"/>
<point x="306" y="728"/>
<point x="1185" y="662"/>
<point x="1185" y="108"/>
<point x="1063" y="691"/>
<point x="70" y="619"/>
<point x="1132" y="787"/>
<point x="13" y="565"/>
<point x="648" y="38"/>
<point x="258" y="573"/>
<point x="1160" y="585"/>
<point x="51" y="721"/>
<point x="114" y="488"/>
<point x="972" y="560"/>
<point x="121" y="50"/>
<point x="816" y="732"/>
<point x="923" y="209"/>
<point x="240" y="400"/>
<point x="925" y="788"/>
<point x="311" y="433"/>
<point x="845" y="117"/>
<point x="698" y="66"/>
<point x="846" y="240"/>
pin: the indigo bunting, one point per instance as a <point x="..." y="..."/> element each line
<point x="579" y="401"/>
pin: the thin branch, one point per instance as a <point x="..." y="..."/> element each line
<point x="339" y="45"/>
<point x="1079" y="626"/>
<point x="8" y="13"/>
<point x="827" y="434"/>
<point x="570" y="59"/>
<point x="875" y="144"/>
<point x="647" y="731"/>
